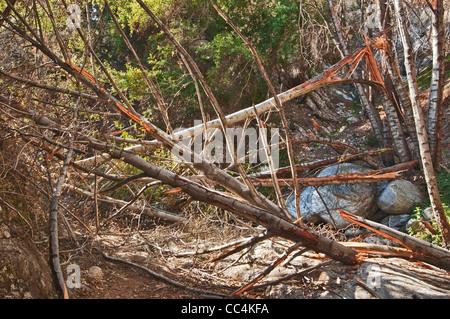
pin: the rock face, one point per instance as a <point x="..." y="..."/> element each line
<point x="24" y="273"/>
<point x="357" y="199"/>
<point x="388" y="279"/>
<point x="399" y="197"/>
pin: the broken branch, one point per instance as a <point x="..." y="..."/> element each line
<point x="420" y="250"/>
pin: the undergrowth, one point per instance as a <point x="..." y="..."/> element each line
<point x="420" y="220"/>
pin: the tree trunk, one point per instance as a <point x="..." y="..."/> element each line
<point x="418" y="249"/>
<point x="435" y="104"/>
<point x="315" y="83"/>
<point x="243" y="209"/>
<point x="372" y="113"/>
<point x="421" y="130"/>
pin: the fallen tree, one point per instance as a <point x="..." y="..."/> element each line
<point x="416" y="249"/>
<point x="129" y="167"/>
<point x="328" y="77"/>
<point x="267" y="219"/>
<point x="374" y="176"/>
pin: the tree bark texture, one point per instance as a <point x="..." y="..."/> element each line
<point x="243" y="209"/>
<point x="419" y="119"/>
<point x="435" y="105"/>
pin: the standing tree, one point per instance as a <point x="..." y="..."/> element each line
<point x="419" y="119"/>
<point x="435" y="105"/>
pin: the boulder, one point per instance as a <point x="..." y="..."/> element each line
<point x="24" y="272"/>
<point x="399" y="197"/>
<point x="322" y="204"/>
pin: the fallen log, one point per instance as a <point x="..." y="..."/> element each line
<point x="326" y="78"/>
<point x="261" y="216"/>
<point x="373" y="176"/>
<point x="329" y="180"/>
<point x="419" y="249"/>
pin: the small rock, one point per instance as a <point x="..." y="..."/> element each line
<point x="399" y="197"/>
<point x="395" y="221"/>
<point x="428" y="213"/>
<point x="4" y="231"/>
<point x="95" y="272"/>
<point x="353" y="232"/>
<point x="413" y="225"/>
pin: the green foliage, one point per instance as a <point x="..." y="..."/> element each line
<point x="273" y="26"/>
<point x="443" y="180"/>
<point x="130" y="14"/>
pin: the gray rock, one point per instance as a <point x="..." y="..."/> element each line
<point x="24" y="271"/>
<point x="378" y="216"/>
<point x="375" y="239"/>
<point x="399" y="197"/>
<point x="353" y="232"/>
<point x="428" y="213"/>
<point x="395" y="221"/>
<point x="358" y="199"/>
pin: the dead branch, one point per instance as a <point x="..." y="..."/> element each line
<point x="354" y="178"/>
<point x="363" y="284"/>
<point x="291" y="276"/>
<point x="381" y="250"/>
<point x="161" y="277"/>
<point x="243" y="209"/>
<point x="242" y="245"/>
<point x="213" y="249"/>
<point x="267" y="270"/>
<point x="47" y="87"/>
<point x="301" y="168"/>
<point x="420" y="250"/>
<point x="53" y="221"/>
<point x="366" y="156"/>
<point x="373" y="176"/>
<point x="146" y="210"/>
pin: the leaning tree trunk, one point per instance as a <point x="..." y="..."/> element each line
<point x="435" y="104"/>
<point x="419" y="120"/>
<point x="258" y="215"/>
<point x="401" y="99"/>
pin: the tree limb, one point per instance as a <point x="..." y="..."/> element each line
<point x="419" y="249"/>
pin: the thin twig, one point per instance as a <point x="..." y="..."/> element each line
<point x="53" y="221"/>
<point x="250" y="242"/>
<point x="161" y="277"/>
<point x="362" y="284"/>
<point x="295" y="275"/>
<point x="267" y="270"/>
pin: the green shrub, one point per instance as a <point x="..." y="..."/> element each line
<point x="443" y="180"/>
